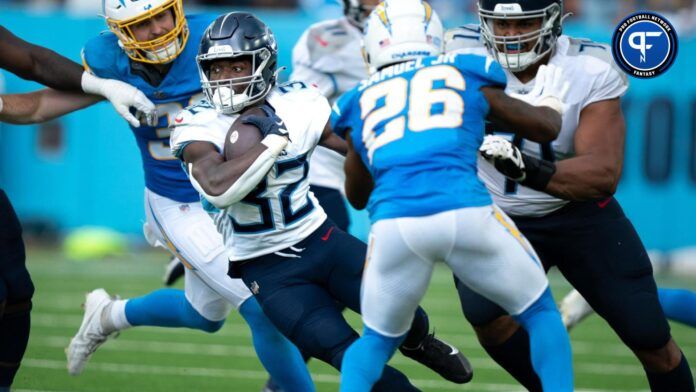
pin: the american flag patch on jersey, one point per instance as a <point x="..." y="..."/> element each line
<point x="384" y="42"/>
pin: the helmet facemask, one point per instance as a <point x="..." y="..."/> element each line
<point x="161" y="50"/>
<point x="221" y="93"/>
<point x="356" y="12"/>
<point x="506" y="49"/>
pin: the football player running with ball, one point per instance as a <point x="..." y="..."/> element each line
<point x="297" y="263"/>
<point x="153" y="45"/>
<point x="560" y="194"/>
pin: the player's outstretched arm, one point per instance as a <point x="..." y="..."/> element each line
<point x="359" y="182"/>
<point x="536" y="123"/>
<point x="595" y="170"/>
<point x="39" y="64"/>
<point x="224" y="183"/>
<point x="42" y="105"/>
<point x="47" y="67"/>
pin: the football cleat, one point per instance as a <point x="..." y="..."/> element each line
<point x="271" y="386"/>
<point x="90" y="335"/>
<point x="574" y="309"/>
<point x="443" y="358"/>
<point x="173" y="271"/>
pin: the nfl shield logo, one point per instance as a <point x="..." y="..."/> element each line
<point x="254" y="287"/>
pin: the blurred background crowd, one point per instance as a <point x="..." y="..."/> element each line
<point x="682" y="13"/>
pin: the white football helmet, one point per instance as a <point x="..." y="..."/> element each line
<point x="400" y="30"/>
<point x="121" y="15"/>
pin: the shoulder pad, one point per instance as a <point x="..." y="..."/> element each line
<point x="583" y="46"/>
<point x="199" y="113"/>
<point x="466" y="36"/>
<point x="100" y="53"/>
<point x="596" y="50"/>
<point x="327" y="37"/>
<point x="296" y="90"/>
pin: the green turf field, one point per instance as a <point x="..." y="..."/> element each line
<point x="158" y="359"/>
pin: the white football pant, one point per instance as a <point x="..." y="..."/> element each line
<point x="188" y="232"/>
<point x="481" y="245"/>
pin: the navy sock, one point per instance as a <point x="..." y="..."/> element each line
<point x="14" y="336"/>
<point x="419" y="330"/>
<point x="515" y="357"/>
<point x="676" y="380"/>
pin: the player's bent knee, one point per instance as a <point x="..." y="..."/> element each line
<point x="212" y="326"/>
<point x="207" y="322"/>
<point x="325" y="338"/>
<point x="497" y="331"/>
<point x="645" y="336"/>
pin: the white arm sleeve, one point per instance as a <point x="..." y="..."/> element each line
<point x="249" y="179"/>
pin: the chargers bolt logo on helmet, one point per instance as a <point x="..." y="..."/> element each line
<point x="401" y="30"/>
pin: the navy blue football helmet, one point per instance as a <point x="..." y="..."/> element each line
<point x="238" y="35"/>
<point x="355" y="11"/>
<point x="506" y="49"/>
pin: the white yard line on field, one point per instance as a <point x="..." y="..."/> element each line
<point x="254" y="375"/>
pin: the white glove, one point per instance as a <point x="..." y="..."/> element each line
<point x="123" y="96"/>
<point x="506" y="158"/>
<point x="549" y="89"/>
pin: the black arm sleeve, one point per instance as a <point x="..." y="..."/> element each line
<point x="39" y="64"/>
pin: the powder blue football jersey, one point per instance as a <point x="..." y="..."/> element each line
<point x="180" y="88"/>
<point x="417" y="126"/>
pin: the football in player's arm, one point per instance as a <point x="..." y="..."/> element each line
<point x="266" y="212"/>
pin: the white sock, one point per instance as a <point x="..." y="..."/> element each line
<point x="114" y="317"/>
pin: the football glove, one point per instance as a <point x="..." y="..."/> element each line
<point x="506" y="158"/>
<point x="512" y="163"/>
<point x="549" y="90"/>
<point x="270" y="125"/>
<point x="122" y="96"/>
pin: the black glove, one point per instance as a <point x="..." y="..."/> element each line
<point x="512" y="163"/>
<point x="270" y="125"/>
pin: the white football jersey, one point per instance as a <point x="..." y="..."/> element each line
<point x="593" y="77"/>
<point x="281" y="210"/>
<point x="328" y="55"/>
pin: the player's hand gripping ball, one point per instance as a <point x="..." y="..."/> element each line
<point x="250" y="128"/>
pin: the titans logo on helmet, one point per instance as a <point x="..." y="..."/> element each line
<point x="644" y="44"/>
